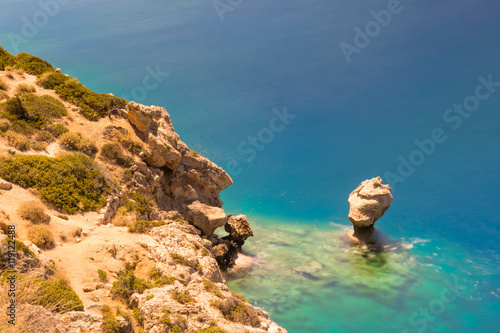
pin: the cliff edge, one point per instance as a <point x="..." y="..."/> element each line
<point x="107" y="218"/>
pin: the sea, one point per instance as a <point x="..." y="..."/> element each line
<point x="300" y="101"/>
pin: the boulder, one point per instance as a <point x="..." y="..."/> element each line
<point x="238" y="228"/>
<point x="5" y="186"/>
<point x="368" y="202"/>
<point x="206" y="218"/>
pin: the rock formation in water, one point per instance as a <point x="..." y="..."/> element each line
<point x="368" y="202"/>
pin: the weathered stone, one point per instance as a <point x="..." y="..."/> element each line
<point x="5" y="186"/>
<point x="368" y="202"/>
<point x="206" y="218"/>
<point x="238" y="228"/>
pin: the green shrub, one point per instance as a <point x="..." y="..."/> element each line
<point x="212" y="288"/>
<point x="138" y="202"/>
<point x="41" y="236"/>
<point x="50" y="80"/>
<point x="55" y="294"/>
<point x="24" y="88"/>
<point x="31" y="64"/>
<point x="159" y="280"/>
<point x="34" y="212"/>
<point x="126" y="284"/>
<point x="76" y="142"/>
<point x="3" y="85"/>
<point x="142" y="226"/>
<point x="103" y="276"/>
<point x="92" y="105"/>
<point x="182" y="297"/>
<point x="114" y="153"/>
<point x="109" y="322"/>
<point x="70" y="183"/>
<point x="6" y="59"/>
<point x="57" y="129"/>
<point x="3" y="95"/>
<point x="32" y="110"/>
<point x="47" y="107"/>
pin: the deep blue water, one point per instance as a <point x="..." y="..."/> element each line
<point x="351" y="121"/>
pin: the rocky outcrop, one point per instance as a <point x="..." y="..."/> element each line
<point x="182" y="181"/>
<point x="368" y="202"/>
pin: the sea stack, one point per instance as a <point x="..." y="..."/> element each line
<point x="368" y="202"/>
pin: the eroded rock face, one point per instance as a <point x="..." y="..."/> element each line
<point x="169" y="166"/>
<point x="368" y="202"/>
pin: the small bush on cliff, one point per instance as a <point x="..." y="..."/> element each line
<point x="138" y="202"/>
<point x="109" y="322"/>
<point x="236" y="310"/>
<point x="182" y="297"/>
<point x="213" y="328"/>
<point x="158" y="279"/>
<point x="50" y="80"/>
<point x="76" y="142"/>
<point x="114" y="153"/>
<point x="142" y="226"/>
<point x="126" y="284"/>
<point x="103" y="276"/>
<point x="34" y="212"/>
<point x="57" y="129"/>
<point x="71" y="183"/>
<point x="212" y="288"/>
<point x="179" y="259"/>
<point x="41" y="236"/>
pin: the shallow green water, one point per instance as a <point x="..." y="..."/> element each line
<point x="312" y="279"/>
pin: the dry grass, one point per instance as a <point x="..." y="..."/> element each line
<point x="17" y="140"/>
<point x="24" y="88"/>
<point x="3" y="84"/>
<point x="34" y="212"/>
<point x="41" y="236"/>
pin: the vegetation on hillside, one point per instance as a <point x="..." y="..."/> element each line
<point x="92" y="105"/>
<point x="71" y="183"/>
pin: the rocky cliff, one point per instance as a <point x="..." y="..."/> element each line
<point x="147" y="259"/>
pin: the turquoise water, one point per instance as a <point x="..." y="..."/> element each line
<point x="352" y="122"/>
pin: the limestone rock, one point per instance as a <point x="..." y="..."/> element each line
<point x="5" y="186"/>
<point x="368" y="202"/>
<point x="206" y="218"/>
<point x="138" y="117"/>
<point x="238" y="228"/>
